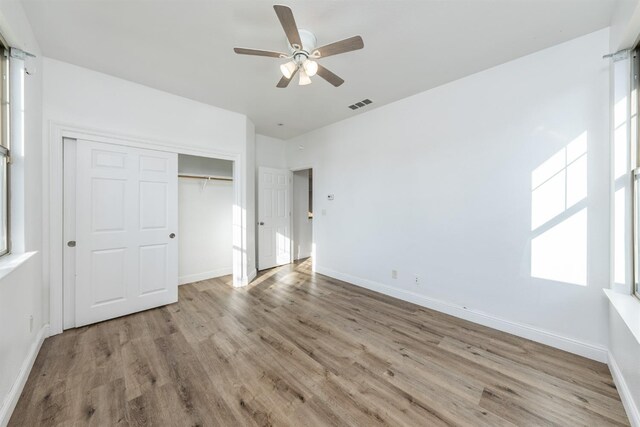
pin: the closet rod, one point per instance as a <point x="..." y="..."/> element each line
<point x="218" y="178"/>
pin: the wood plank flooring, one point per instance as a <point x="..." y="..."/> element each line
<point x="301" y="349"/>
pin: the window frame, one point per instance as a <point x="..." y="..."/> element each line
<point x="634" y="165"/>
<point x="635" y="188"/>
<point x="5" y="138"/>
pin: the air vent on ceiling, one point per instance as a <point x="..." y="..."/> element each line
<point x="360" y="104"/>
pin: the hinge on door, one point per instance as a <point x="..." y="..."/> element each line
<point x="9" y="160"/>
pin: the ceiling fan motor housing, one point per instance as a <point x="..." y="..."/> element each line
<point x="309" y="43"/>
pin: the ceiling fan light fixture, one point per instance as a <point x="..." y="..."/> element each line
<point x="304" y="78"/>
<point x="302" y="51"/>
<point x="288" y="69"/>
<point x="310" y="67"/>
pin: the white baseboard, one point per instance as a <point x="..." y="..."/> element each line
<point x="245" y="280"/>
<point x="625" y="394"/>
<point x="252" y="275"/>
<point x="588" y="350"/>
<point x="11" y="400"/>
<point x="302" y="255"/>
<point x="183" y="280"/>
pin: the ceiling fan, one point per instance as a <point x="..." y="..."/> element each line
<point x="303" y="52"/>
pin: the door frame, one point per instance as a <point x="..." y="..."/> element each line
<point x="290" y="189"/>
<point x="69" y="227"/>
<point x="315" y="217"/>
<point x="54" y="218"/>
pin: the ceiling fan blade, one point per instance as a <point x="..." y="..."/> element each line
<point x="288" y="24"/>
<point x="284" y="82"/>
<point x="258" y="52"/>
<point x="346" y="45"/>
<point x="329" y="76"/>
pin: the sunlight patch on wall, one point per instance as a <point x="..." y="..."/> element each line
<point x="620" y="140"/>
<point x="621" y="157"/>
<point x="559" y="183"/>
<point x="619" y="264"/>
<point x="620" y="152"/>
<point x="560" y="253"/>
<point x="239" y="252"/>
<point x="559" y="215"/>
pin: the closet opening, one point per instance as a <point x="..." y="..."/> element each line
<point x="205" y="219"/>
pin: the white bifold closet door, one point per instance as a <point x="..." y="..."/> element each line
<point x="126" y="220"/>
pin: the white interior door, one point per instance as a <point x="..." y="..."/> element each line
<point x="126" y="216"/>
<point x="274" y="217"/>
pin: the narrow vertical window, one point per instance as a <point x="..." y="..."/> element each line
<point x="634" y="165"/>
<point x="4" y="149"/>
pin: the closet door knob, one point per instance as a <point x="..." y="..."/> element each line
<point x="172" y="235"/>
<point x="261" y="223"/>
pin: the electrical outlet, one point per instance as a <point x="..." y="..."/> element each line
<point x="417" y="280"/>
<point x="394" y="274"/>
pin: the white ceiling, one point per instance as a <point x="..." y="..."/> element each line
<point x="185" y="47"/>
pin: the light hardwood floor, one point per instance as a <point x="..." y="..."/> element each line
<point x="301" y="349"/>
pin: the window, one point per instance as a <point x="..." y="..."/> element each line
<point x="4" y="149"/>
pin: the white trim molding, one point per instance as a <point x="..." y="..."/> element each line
<point x="628" y="307"/>
<point x="191" y="278"/>
<point x="588" y="350"/>
<point x="252" y="275"/>
<point x="625" y="394"/>
<point x="11" y="400"/>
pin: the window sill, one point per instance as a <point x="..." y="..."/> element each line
<point x="11" y="262"/>
<point x="628" y="307"/>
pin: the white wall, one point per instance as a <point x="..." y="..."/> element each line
<point x="624" y="24"/>
<point x="270" y="152"/>
<point x="90" y="99"/>
<point x="302" y="224"/>
<point x="197" y="165"/>
<point x="20" y="298"/>
<point x="625" y="350"/>
<point x="23" y="294"/>
<point x="204" y="229"/>
<point x="439" y="185"/>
